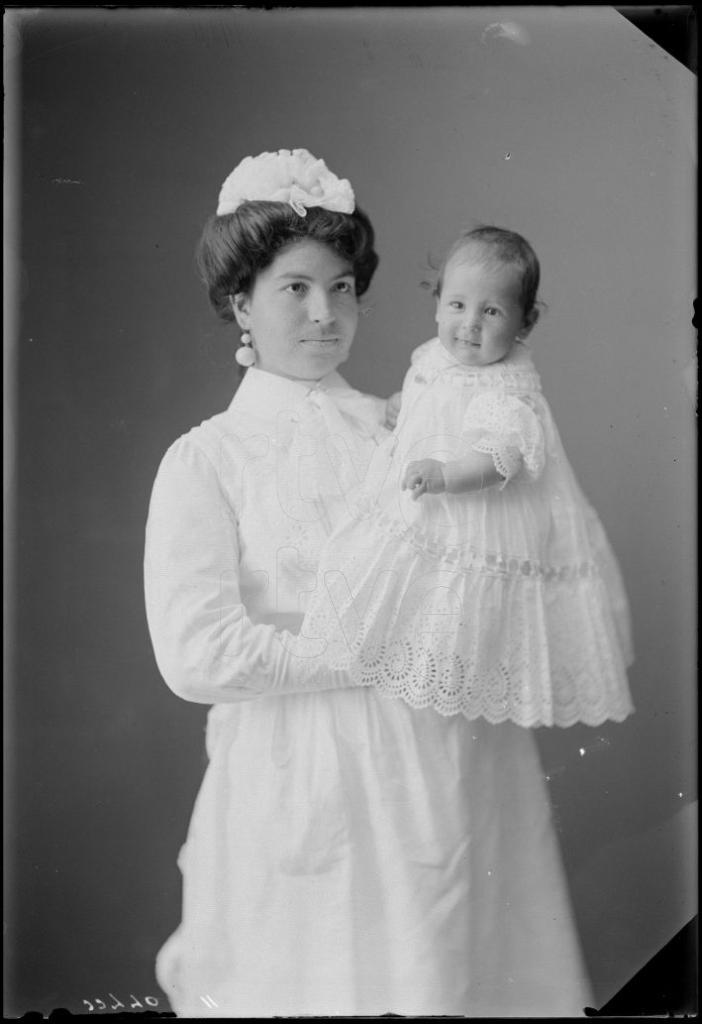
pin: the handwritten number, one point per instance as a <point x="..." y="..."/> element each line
<point x="100" y="1004"/>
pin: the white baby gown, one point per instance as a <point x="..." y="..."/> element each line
<point x="347" y="854"/>
<point x="505" y="603"/>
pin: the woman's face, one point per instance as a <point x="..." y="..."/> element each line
<point x="302" y="312"/>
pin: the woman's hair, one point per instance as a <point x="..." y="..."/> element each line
<point x="236" y="247"/>
<point x="498" y="246"/>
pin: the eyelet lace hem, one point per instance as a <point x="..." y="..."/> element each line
<point x="423" y="677"/>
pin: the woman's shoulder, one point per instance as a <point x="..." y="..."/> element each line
<point x="202" y="446"/>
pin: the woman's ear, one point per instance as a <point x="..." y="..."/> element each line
<point x="240" y="308"/>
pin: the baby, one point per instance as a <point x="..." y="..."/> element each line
<point x="496" y="594"/>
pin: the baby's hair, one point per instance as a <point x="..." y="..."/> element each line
<point x="499" y="246"/>
<point x="234" y="248"/>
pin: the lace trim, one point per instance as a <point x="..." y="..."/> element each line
<point x="531" y="691"/>
<point x="509" y="423"/>
<point x="465" y="559"/>
<point x="506" y="458"/>
<point x="515" y="381"/>
<point x="424" y="678"/>
<point x="516" y="372"/>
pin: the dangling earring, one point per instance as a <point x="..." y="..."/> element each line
<point x="245" y="356"/>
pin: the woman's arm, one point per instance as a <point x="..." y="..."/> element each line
<point x="206" y="646"/>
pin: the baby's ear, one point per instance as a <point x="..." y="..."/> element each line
<point x="529" y="321"/>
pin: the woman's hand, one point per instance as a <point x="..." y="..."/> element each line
<point x="392" y="410"/>
<point x="426" y="476"/>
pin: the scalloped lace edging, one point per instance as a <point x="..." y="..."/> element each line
<point x="506" y="459"/>
<point x="521" y="718"/>
<point x="422" y="678"/>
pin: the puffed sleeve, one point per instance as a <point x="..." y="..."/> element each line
<point x="508" y="428"/>
<point x="207" y="648"/>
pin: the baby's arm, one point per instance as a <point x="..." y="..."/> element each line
<point x="505" y="436"/>
<point x="474" y="472"/>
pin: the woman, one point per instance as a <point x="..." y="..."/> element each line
<point x="347" y="854"/>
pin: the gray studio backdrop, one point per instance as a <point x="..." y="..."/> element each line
<point x="567" y="124"/>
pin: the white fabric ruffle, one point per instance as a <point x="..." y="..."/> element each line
<point x="505" y="604"/>
<point x="528" y="643"/>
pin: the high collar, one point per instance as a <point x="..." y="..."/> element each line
<point x="519" y="358"/>
<point x="326" y="419"/>
<point x="515" y="370"/>
<point x="263" y="393"/>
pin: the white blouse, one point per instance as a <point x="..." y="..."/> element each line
<point x="240" y="509"/>
<point x="347" y="854"/>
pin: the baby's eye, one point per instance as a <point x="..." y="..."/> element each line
<point x="492" y="311"/>
<point x="455" y="304"/>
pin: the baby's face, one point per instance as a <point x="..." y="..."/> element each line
<point x="479" y="312"/>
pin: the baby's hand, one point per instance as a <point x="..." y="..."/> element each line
<point x="426" y="476"/>
<point x="392" y="410"/>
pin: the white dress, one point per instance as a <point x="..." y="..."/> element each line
<point x="504" y="603"/>
<point x="347" y="854"/>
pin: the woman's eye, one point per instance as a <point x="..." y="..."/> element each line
<point x="296" y="287"/>
<point x="344" y="287"/>
<point x="455" y="304"/>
